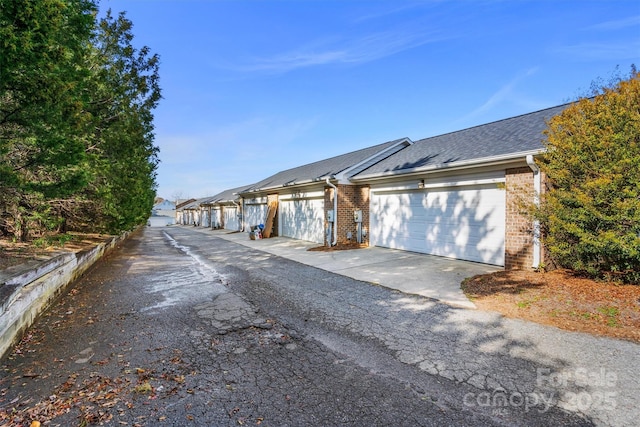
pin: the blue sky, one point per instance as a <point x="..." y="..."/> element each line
<point x="254" y="87"/>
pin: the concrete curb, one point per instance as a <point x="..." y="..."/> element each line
<point x="27" y="290"/>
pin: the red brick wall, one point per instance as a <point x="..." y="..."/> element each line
<point x="519" y="227"/>
<point x="350" y="198"/>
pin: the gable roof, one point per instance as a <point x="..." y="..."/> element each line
<point x="500" y="140"/>
<point x="195" y="204"/>
<point x="164" y="205"/>
<point x="329" y="168"/>
<point x="225" y="196"/>
<point x="184" y="203"/>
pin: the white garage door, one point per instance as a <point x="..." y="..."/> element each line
<point x="204" y="222"/>
<point x="254" y="214"/>
<point x="302" y="219"/>
<point x="231" y="221"/>
<point x="216" y="219"/>
<point x="463" y="223"/>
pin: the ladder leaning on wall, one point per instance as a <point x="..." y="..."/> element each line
<point x="271" y="214"/>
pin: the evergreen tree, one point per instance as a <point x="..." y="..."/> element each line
<point x="76" y="122"/>
<point x="125" y="91"/>
<point x="43" y="44"/>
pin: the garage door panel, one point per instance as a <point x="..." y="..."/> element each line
<point x="231" y="221"/>
<point x="215" y="218"/>
<point x="303" y="219"/>
<point x="255" y="214"/>
<point x="464" y="223"/>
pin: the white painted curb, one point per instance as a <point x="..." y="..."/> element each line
<point x="27" y="290"/>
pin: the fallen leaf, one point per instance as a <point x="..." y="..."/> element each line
<point x="145" y="387"/>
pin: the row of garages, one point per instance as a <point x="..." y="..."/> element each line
<point x="457" y="195"/>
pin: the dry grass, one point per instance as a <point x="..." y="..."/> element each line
<point x="14" y="253"/>
<point x="560" y="299"/>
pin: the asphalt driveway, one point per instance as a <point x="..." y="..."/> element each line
<point x="186" y="328"/>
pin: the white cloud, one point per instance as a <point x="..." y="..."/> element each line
<point x="395" y="8"/>
<point x="602" y="51"/>
<point x="359" y="50"/>
<point x="502" y="95"/>
<point x="245" y="138"/>
<point x="202" y="164"/>
<point x="631" y="21"/>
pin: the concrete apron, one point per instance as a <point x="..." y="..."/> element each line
<point x="426" y="275"/>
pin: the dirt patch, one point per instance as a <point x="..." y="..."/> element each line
<point x="560" y="299"/>
<point x="339" y="247"/>
<point x="13" y="253"/>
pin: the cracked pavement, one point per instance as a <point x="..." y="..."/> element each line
<point x="188" y="329"/>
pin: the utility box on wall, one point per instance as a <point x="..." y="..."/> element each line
<point x="357" y="216"/>
<point x="330" y="215"/>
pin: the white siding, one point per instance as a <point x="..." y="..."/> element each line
<point x="461" y="222"/>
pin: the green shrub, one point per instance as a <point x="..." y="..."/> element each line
<point x="590" y="213"/>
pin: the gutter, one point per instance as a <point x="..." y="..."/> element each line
<point x="335" y="212"/>
<point x="287" y="185"/>
<point x="537" y="187"/>
<point x="465" y="164"/>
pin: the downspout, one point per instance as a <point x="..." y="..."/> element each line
<point x="335" y="212"/>
<point x="240" y="214"/>
<point x="537" y="187"/>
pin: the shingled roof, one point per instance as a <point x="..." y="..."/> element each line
<point x="195" y="204"/>
<point x="225" y="196"/>
<point x="328" y="168"/>
<point x="503" y="138"/>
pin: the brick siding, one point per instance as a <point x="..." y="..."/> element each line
<point x="350" y="199"/>
<point x="519" y="226"/>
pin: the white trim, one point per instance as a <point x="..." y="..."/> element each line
<point x="306" y="195"/>
<point x="439" y="185"/>
<point x="478" y="178"/>
<point x="303" y="183"/>
<point x="465" y="164"/>
<point x="256" y="201"/>
<point x="341" y="177"/>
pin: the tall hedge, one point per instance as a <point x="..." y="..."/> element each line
<point x="591" y="211"/>
<point x="76" y="120"/>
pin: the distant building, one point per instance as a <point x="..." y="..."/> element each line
<point x="162" y="214"/>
